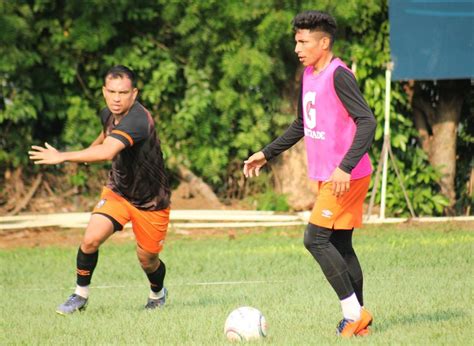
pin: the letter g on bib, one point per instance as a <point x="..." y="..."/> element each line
<point x="309" y="110"/>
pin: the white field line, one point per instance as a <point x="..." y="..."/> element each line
<point x="212" y="283"/>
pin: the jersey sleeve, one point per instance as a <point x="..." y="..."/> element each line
<point x="133" y="128"/>
<point x="290" y="137"/>
<point x="351" y="97"/>
<point x="104" y="116"/>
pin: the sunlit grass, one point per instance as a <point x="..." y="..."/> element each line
<point x="418" y="284"/>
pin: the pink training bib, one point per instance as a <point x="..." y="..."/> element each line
<point x="328" y="128"/>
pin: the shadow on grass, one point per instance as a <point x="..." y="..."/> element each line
<point x="413" y="319"/>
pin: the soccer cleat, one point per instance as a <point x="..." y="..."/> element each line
<point x="72" y="304"/>
<point x="157" y="303"/>
<point x="367" y="318"/>
<point x="363" y="332"/>
<point x="347" y="328"/>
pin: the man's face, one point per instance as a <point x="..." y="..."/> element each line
<point x="311" y="46"/>
<point x="119" y="94"/>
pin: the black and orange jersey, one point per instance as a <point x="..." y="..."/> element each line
<point x="138" y="173"/>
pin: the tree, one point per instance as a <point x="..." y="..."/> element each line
<point x="437" y="112"/>
<point x="219" y="77"/>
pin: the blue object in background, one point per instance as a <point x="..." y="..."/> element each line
<point x="432" y="39"/>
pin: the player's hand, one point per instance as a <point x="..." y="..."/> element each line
<point x="341" y="182"/>
<point x="46" y="155"/>
<point x="253" y="164"/>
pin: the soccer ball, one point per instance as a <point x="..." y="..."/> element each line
<point x="244" y="324"/>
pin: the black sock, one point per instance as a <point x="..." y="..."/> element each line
<point x="157" y="277"/>
<point x="86" y="264"/>
<point x="316" y="240"/>
<point x="342" y="240"/>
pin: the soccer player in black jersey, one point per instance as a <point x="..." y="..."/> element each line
<point x="137" y="188"/>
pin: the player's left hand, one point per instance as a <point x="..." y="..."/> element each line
<point x="341" y="182"/>
<point x="46" y="155"/>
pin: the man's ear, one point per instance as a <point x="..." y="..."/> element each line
<point x="326" y="42"/>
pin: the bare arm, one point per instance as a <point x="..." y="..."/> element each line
<point x="106" y="150"/>
<point x="98" y="140"/>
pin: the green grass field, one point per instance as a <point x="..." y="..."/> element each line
<point x="418" y="284"/>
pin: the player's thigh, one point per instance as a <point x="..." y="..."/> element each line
<point x="150" y="229"/>
<point x="344" y="212"/>
<point x="99" y="229"/>
<point x="109" y="215"/>
<point x="326" y="208"/>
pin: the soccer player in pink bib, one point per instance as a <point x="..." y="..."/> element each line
<point x="338" y="128"/>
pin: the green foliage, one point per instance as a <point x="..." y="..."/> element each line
<point x="465" y="159"/>
<point x="268" y="200"/>
<point x="79" y="116"/>
<point x="370" y="50"/>
<point x="215" y="74"/>
<point x="261" y="196"/>
<point x="418" y="178"/>
<point x="78" y="179"/>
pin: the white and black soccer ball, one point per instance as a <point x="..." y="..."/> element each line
<point x="244" y="324"/>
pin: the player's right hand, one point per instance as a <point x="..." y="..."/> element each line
<point x="253" y="164"/>
<point x="47" y="155"/>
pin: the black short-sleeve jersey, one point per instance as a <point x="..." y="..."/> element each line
<point x="138" y="172"/>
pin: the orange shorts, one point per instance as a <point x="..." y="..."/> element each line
<point x="343" y="212"/>
<point x="150" y="227"/>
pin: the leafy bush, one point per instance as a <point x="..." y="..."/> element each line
<point x="268" y="200"/>
<point x="217" y="75"/>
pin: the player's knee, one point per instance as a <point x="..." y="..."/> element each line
<point x="90" y="244"/>
<point x="316" y="236"/>
<point x="308" y="239"/>
<point x="149" y="263"/>
<point x="316" y="240"/>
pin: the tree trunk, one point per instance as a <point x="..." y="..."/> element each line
<point x="436" y="111"/>
<point x="195" y="184"/>
<point x="290" y="169"/>
<point x="291" y="177"/>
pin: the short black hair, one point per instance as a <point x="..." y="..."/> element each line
<point x="316" y="21"/>
<point x="120" y="71"/>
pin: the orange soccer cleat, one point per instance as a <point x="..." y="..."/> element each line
<point x="363" y="332"/>
<point x="347" y="328"/>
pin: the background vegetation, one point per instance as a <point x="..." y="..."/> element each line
<point x="219" y="77"/>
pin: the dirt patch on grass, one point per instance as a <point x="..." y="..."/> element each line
<point x="45" y="236"/>
<point x="39" y="237"/>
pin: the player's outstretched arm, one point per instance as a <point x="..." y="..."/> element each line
<point x="48" y="155"/>
<point x="253" y="164"/>
<point x="99" y="140"/>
